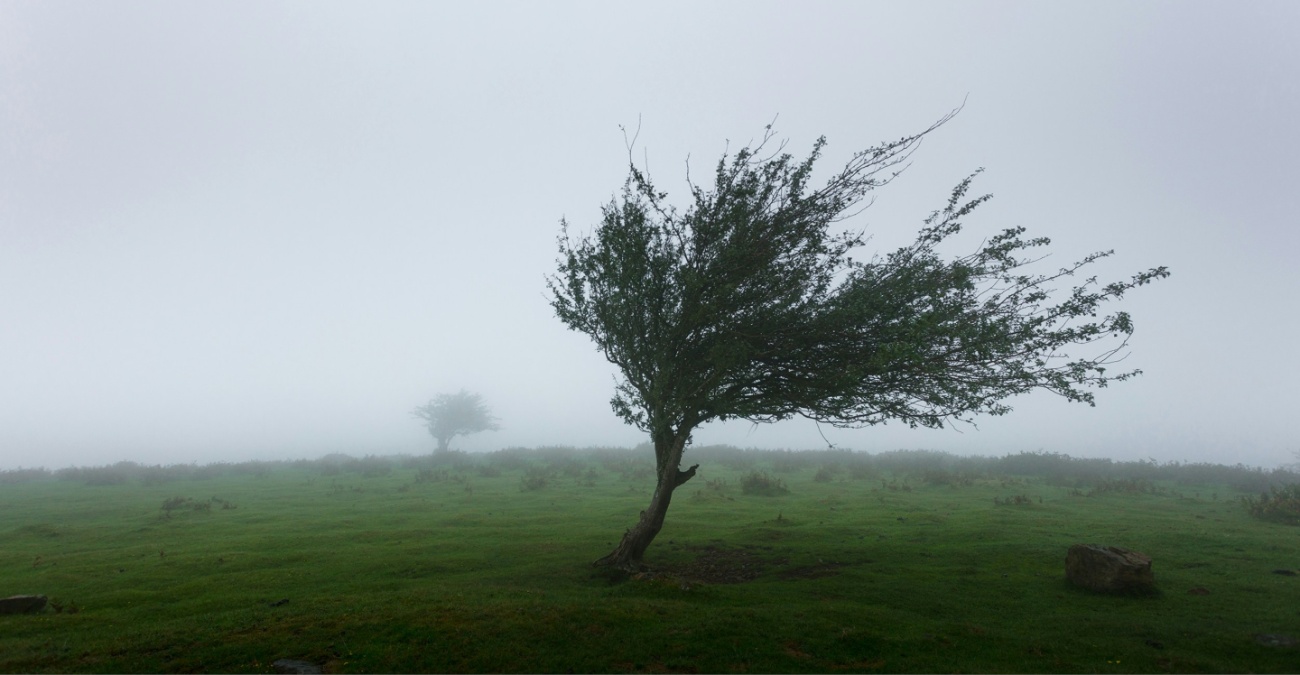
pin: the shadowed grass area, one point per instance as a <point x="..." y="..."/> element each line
<point x="891" y="563"/>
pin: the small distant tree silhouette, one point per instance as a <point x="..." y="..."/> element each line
<point x="450" y="415"/>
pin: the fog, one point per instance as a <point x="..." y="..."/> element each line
<point x="232" y="231"/>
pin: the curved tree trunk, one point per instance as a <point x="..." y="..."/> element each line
<point x="627" y="556"/>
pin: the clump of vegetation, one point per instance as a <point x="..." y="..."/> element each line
<point x="115" y="474"/>
<point x="1016" y="500"/>
<point x="762" y="484"/>
<point x="183" y="503"/>
<point x="20" y="475"/>
<point x="1128" y="486"/>
<point x="827" y="473"/>
<point x="1278" y="505"/>
<point x="566" y="466"/>
<point x="535" y="478"/>
<point x="948" y="478"/>
<point x="60" y="606"/>
<point x="447" y="416"/>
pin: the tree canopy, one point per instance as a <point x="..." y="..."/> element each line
<point x="450" y="415"/>
<point x="749" y="304"/>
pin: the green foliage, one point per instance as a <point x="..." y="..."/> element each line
<point x="1278" y="505"/>
<point x="534" y="478"/>
<point x="1132" y="486"/>
<point x="949" y="478"/>
<point x="450" y="415"/>
<point x="762" y="484"/>
<point x="746" y="305"/>
<point x="20" y="475"/>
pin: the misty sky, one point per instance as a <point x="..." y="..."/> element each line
<point x="245" y="230"/>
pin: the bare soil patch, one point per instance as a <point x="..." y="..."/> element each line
<point x="721" y="564"/>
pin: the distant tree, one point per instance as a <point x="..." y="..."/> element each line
<point x="451" y="415"/>
<point x="745" y="305"/>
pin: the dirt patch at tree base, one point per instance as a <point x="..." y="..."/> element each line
<point x="720" y="564"/>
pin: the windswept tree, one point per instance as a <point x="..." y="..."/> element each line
<point x="747" y="304"/>
<point x="450" y="415"/>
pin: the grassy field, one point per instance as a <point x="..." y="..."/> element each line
<point x="905" y="562"/>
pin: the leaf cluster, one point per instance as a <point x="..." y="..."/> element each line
<point x="450" y="415"/>
<point x="748" y="303"/>
<point x="1279" y="504"/>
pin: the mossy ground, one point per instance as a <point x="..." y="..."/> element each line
<point x="479" y="567"/>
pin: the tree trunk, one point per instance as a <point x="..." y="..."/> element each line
<point x="627" y="556"/>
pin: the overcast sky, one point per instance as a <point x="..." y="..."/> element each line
<point x="245" y="230"/>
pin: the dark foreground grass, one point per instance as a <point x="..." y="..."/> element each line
<point x="483" y="567"/>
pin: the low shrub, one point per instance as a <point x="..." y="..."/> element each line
<point x="762" y="484"/>
<point x="115" y="474"/>
<point x="949" y="478"/>
<point x="1278" y="505"/>
<point x="12" y="476"/>
<point x="826" y="473"/>
<point x="174" y="503"/>
<point x="60" y="607"/>
<point x="568" y="466"/>
<point x="535" y="478"/>
<point x="1128" y="486"/>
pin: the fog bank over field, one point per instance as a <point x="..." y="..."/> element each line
<point x="236" y="231"/>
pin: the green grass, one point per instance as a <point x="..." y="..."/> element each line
<point x="463" y="568"/>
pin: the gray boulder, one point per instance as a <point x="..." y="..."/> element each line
<point x="1109" y="569"/>
<point x="22" y="604"/>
